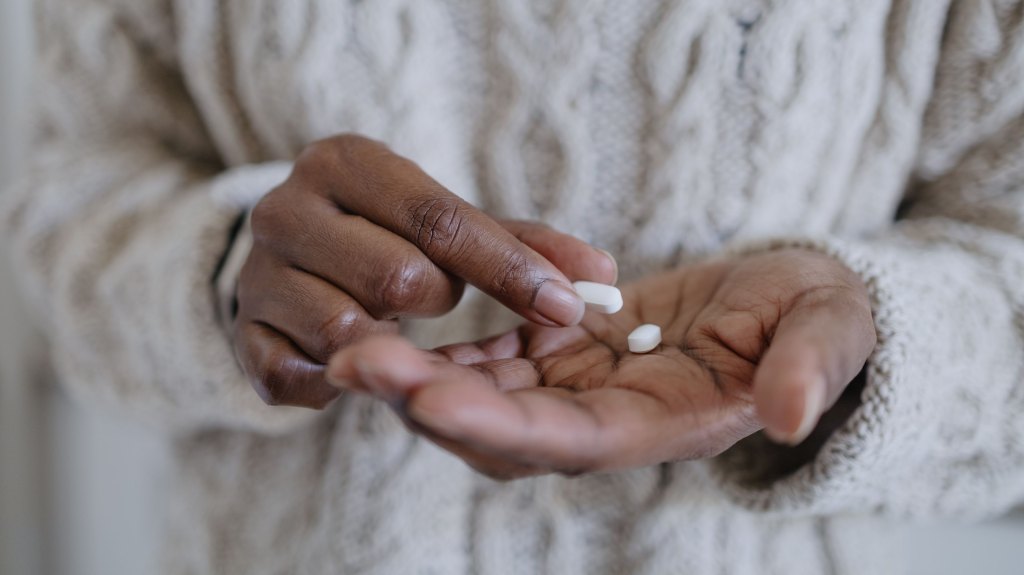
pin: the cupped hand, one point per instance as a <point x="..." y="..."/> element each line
<point x="759" y="341"/>
<point x="358" y="237"/>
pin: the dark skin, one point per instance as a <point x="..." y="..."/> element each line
<point x="765" y="341"/>
<point x="358" y="238"/>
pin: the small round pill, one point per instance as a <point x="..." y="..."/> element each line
<point x="644" y="338"/>
<point x="599" y="297"/>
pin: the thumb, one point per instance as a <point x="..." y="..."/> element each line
<point x="574" y="257"/>
<point x="819" y="346"/>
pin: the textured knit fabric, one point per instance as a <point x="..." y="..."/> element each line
<point x="889" y="133"/>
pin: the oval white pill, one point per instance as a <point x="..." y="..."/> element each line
<point x="644" y="338"/>
<point x="599" y="297"/>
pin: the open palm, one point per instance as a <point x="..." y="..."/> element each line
<point x="769" y="337"/>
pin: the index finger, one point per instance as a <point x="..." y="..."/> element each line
<point x="394" y="193"/>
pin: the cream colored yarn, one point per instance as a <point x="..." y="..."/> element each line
<point x="666" y="130"/>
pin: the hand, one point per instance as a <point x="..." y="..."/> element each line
<point x="762" y="340"/>
<point x="358" y="237"/>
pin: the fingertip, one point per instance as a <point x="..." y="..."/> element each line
<point x="813" y="355"/>
<point x="790" y="409"/>
<point x="813" y="406"/>
<point x="609" y="268"/>
<point x="384" y="365"/>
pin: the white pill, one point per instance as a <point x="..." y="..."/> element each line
<point x="644" y="338"/>
<point x="599" y="297"/>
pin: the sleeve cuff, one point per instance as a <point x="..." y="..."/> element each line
<point x="945" y="366"/>
<point x="760" y="475"/>
<point x="243" y="188"/>
<point x="227" y="277"/>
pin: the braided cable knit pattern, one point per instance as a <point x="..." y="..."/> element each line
<point x="886" y="133"/>
<point x="536" y="159"/>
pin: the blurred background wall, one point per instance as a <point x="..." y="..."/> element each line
<point x="21" y="494"/>
<point x="81" y="490"/>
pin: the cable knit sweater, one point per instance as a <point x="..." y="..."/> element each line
<point x="889" y="133"/>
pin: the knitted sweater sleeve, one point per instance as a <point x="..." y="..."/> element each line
<point x="937" y="427"/>
<point x="124" y="217"/>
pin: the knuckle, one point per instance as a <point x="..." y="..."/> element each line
<point x="334" y="150"/>
<point x="320" y="153"/>
<point x="515" y="271"/>
<point x="264" y="218"/>
<point x="402" y="287"/>
<point x="336" y="332"/>
<point x="279" y="377"/>
<point x="341" y="165"/>
<point x="436" y="224"/>
<point x="356" y="144"/>
<point x="273" y="217"/>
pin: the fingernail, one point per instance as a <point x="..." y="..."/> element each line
<point x="615" y="265"/>
<point x="814" y="398"/>
<point x="559" y="303"/>
<point x="338" y="374"/>
<point x="370" y="376"/>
